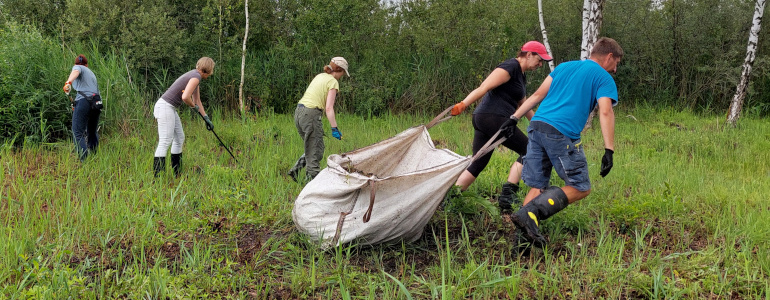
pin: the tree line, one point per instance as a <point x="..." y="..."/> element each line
<point x="413" y="56"/>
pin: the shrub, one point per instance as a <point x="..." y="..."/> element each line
<point x="32" y="107"/>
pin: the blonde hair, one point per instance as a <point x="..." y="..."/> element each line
<point x="205" y="65"/>
<point x="332" y="67"/>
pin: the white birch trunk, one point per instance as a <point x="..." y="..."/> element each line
<point x="584" y="43"/>
<point x="751" y="51"/>
<point x="592" y="23"/>
<point x="545" y="34"/>
<point x="243" y="59"/>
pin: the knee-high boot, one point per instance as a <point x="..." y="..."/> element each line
<point x="508" y="198"/>
<point x="551" y="201"/>
<point x="176" y="163"/>
<point x="159" y="165"/>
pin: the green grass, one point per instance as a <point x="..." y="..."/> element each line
<point x="684" y="214"/>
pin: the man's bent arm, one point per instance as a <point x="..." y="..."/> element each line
<point x="534" y="99"/>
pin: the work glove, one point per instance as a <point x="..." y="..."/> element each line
<point x="67" y="87"/>
<point x="458" y="108"/>
<point x="606" y="162"/>
<point x="209" y="125"/>
<point x="336" y="133"/>
<point x="508" y="129"/>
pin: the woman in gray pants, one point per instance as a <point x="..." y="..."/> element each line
<point x="183" y="91"/>
<point x="318" y="98"/>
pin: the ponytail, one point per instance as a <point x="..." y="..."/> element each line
<point x="332" y="67"/>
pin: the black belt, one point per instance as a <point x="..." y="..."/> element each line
<point x="544" y="127"/>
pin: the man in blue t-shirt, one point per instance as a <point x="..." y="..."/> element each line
<point x="568" y="95"/>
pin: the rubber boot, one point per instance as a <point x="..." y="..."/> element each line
<point x="294" y="171"/>
<point x="159" y="165"/>
<point x="176" y="163"/>
<point x="528" y="218"/>
<point x="508" y="198"/>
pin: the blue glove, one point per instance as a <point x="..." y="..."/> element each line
<point x="336" y="133"/>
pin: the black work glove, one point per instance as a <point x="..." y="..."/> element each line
<point x="209" y="125"/>
<point x="606" y="162"/>
<point x="508" y="129"/>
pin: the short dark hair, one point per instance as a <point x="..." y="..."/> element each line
<point x="81" y="60"/>
<point x="606" y="46"/>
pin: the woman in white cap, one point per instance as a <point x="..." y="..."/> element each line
<point x="502" y="93"/>
<point x="318" y="98"/>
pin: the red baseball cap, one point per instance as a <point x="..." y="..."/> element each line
<point x="537" y="47"/>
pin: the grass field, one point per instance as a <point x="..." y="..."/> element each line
<point x="683" y="214"/>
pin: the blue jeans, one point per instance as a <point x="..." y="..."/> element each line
<point x="85" y="122"/>
<point x="548" y="148"/>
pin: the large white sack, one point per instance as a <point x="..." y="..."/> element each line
<point x="411" y="178"/>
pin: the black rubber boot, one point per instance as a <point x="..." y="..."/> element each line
<point x="176" y="163"/>
<point x="508" y="198"/>
<point x="159" y="165"/>
<point x="551" y="201"/>
<point x="294" y="171"/>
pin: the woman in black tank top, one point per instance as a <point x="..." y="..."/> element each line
<point x="502" y="92"/>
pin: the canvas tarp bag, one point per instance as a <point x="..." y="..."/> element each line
<point x="382" y="193"/>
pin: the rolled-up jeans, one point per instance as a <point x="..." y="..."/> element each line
<point x="170" y="131"/>
<point x="84" y="123"/>
<point x="548" y="148"/>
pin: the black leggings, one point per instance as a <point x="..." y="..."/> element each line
<point x="486" y="125"/>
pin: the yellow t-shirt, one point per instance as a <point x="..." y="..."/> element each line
<point x="315" y="95"/>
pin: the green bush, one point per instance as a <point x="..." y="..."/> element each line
<point x="32" y="106"/>
<point x="409" y="56"/>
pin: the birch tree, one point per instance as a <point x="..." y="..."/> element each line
<point x="751" y="51"/>
<point x="592" y="23"/>
<point x="545" y="34"/>
<point x="243" y="58"/>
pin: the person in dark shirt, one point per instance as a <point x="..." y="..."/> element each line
<point x="184" y="91"/>
<point x="501" y="93"/>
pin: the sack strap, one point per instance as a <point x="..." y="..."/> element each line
<point x="341" y="220"/>
<point x="489" y="146"/>
<point x="440" y="118"/>
<point x="373" y="191"/>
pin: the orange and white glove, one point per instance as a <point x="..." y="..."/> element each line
<point x="458" y="108"/>
<point x="67" y="87"/>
